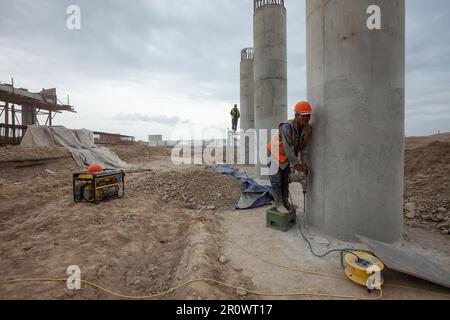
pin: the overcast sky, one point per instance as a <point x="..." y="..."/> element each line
<point x="166" y="66"/>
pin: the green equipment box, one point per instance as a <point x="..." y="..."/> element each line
<point x="279" y="221"/>
<point x="98" y="187"/>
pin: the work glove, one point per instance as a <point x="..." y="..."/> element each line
<point x="299" y="167"/>
<point x="302" y="168"/>
<point x="306" y="170"/>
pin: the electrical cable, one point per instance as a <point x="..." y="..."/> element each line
<point x="342" y="251"/>
<point x="348" y="250"/>
<point x="184" y="284"/>
<point x="315" y="273"/>
<point x="258" y="293"/>
<point x="206" y="280"/>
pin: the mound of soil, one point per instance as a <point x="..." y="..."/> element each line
<point x="431" y="158"/>
<point x="17" y="153"/>
<point x="137" y="152"/>
<point x="427" y="185"/>
<point x="193" y="189"/>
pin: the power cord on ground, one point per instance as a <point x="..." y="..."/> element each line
<point x="205" y="280"/>
<point x="351" y="251"/>
<point x="208" y="280"/>
<point x="342" y="251"/>
<point x="318" y="274"/>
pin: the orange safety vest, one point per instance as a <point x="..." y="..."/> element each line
<point x="276" y="147"/>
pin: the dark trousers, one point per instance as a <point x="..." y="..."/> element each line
<point x="235" y="123"/>
<point x="280" y="183"/>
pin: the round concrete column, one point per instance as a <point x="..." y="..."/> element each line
<point x="270" y="65"/>
<point x="247" y="90"/>
<point x="356" y="83"/>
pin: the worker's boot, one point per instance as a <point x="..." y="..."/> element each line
<point x="289" y="207"/>
<point x="279" y="202"/>
<point x="286" y="201"/>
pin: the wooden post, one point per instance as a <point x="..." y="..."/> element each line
<point x="6" y="121"/>
<point x="13" y="118"/>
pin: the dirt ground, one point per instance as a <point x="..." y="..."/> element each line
<point x="138" y="245"/>
<point x="291" y="251"/>
<point x="175" y="223"/>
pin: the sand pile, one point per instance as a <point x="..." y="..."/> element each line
<point x="137" y="151"/>
<point x="427" y="185"/>
<point x="17" y="153"/>
<point x="194" y="189"/>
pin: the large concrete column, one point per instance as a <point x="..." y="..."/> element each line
<point x="270" y="64"/>
<point x="28" y="115"/>
<point x="247" y="90"/>
<point x="356" y="82"/>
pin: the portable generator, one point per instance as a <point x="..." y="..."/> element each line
<point x="98" y="187"/>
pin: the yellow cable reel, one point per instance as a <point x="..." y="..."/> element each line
<point x="364" y="269"/>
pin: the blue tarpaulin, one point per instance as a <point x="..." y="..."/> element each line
<point x="253" y="194"/>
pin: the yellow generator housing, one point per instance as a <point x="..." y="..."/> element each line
<point x="98" y="187"/>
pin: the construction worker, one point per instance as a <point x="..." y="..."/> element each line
<point x="235" y="115"/>
<point x="285" y="150"/>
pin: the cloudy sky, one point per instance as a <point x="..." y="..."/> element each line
<point x="168" y="66"/>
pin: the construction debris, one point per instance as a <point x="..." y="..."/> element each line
<point x="196" y="189"/>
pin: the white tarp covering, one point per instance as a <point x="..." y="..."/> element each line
<point x="79" y="142"/>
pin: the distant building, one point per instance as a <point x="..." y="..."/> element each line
<point x="154" y="140"/>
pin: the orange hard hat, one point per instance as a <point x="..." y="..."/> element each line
<point x="95" y="168"/>
<point x="303" y="108"/>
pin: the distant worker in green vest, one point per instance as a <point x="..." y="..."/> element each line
<point x="235" y="115"/>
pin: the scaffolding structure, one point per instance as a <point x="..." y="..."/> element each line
<point x="20" y="108"/>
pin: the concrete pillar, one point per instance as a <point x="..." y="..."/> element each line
<point x="28" y="115"/>
<point x="270" y="65"/>
<point x="356" y="82"/>
<point x="247" y="90"/>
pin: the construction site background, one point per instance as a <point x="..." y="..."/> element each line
<point x="156" y="236"/>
